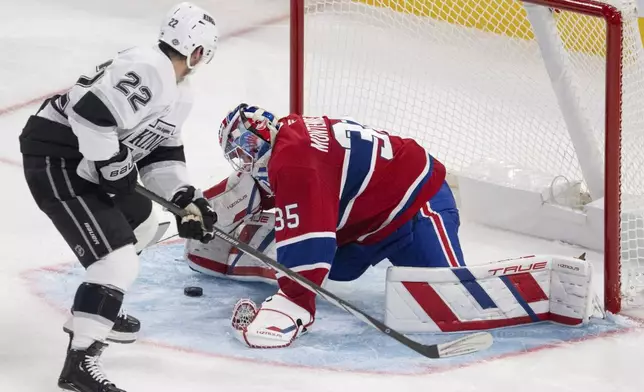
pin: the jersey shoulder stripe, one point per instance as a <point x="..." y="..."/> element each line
<point x="356" y="173"/>
<point x="409" y="198"/>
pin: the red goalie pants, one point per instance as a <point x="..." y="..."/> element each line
<point x="430" y="239"/>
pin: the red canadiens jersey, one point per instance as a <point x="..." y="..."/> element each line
<point x="337" y="182"/>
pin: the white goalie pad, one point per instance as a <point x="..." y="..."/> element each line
<point x="501" y="294"/>
<point x="235" y="199"/>
<point x="218" y="258"/>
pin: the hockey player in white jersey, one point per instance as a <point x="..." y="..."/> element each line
<point x="83" y="153"/>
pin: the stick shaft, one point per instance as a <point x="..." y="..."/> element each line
<point x="430" y="350"/>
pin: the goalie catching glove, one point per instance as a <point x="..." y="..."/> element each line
<point x="199" y="224"/>
<point x="276" y="324"/>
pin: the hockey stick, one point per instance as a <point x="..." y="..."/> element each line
<point x="465" y="345"/>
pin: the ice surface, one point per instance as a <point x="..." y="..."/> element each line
<point x="45" y="45"/>
<point x="337" y="340"/>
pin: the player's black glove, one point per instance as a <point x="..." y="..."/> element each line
<point x="118" y="174"/>
<point x="200" y="223"/>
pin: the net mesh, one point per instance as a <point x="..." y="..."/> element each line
<point x="466" y="78"/>
<point x="632" y="165"/>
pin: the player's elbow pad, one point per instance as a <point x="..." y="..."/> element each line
<point x="92" y="109"/>
<point x="95" y="127"/>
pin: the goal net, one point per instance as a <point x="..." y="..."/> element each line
<point x="554" y="86"/>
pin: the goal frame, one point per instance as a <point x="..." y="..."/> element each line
<point x="613" y="127"/>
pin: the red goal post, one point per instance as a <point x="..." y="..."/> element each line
<point x="423" y="20"/>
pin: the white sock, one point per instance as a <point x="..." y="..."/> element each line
<point x="89" y="328"/>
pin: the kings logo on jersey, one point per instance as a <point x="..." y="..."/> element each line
<point x="141" y="142"/>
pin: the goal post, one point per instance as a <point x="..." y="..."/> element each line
<point x="297" y="56"/>
<point x="548" y="86"/>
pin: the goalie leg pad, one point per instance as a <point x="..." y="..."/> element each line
<point x="510" y="292"/>
<point x="571" y="291"/>
<point x="210" y="258"/>
<point x="218" y="258"/>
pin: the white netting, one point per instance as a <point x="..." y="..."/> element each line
<point x="466" y="78"/>
<point x="632" y="165"/>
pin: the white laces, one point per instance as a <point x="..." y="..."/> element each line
<point x="94" y="368"/>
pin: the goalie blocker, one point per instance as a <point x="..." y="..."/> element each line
<point x="500" y="294"/>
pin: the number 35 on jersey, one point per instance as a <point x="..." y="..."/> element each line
<point x="287" y="217"/>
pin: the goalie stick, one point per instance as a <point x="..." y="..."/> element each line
<point x="464" y="345"/>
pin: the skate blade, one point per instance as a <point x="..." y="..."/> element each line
<point x="67" y="387"/>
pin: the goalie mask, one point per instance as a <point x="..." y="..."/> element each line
<point x="246" y="136"/>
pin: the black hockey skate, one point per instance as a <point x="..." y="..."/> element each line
<point x="82" y="371"/>
<point x="125" y="328"/>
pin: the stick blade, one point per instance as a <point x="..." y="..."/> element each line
<point x="466" y="345"/>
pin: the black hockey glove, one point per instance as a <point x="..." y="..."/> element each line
<point x="118" y="175"/>
<point x="200" y="223"/>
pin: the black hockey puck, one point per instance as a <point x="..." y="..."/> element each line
<point x="193" y="291"/>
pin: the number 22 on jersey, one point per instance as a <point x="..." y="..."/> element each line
<point x="130" y="85"/>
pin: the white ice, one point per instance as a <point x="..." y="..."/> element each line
<point x="45" y="45"/>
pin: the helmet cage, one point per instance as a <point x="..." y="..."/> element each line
<point x="245" y="145"/>
<point x="245" y="136"/>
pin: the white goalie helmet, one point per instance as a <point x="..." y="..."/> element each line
<point x="187" y="27"/>
<point x="246" y="136"/>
